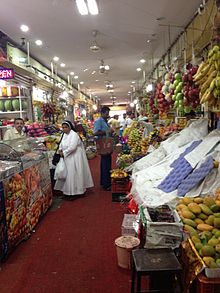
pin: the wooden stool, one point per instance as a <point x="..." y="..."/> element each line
<point x="157" y="264"/>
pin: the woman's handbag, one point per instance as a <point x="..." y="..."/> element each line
<point x="56" y="156"/>
<point x="104" y="145"/>
<point x="56" y="159"/>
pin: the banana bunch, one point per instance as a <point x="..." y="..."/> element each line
<point x="144" y="145"/>
<point x="134" y="138"/>
<point x="208" y="76"/>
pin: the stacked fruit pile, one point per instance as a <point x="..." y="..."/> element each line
<point x="154" y="138"/>
<point x="124" y="160"/>
<point x="190" y="89"/>
<point x="152" y="106"/>
<point x="201" y="218"/>
<point x="162" y="104"/>
<point x="144" y="145"/>
<point x="48" y="110"/>
<point x="118" y="174"/>
<point x="134" y="140"/>
<point x="208" y="77"/>
<point x="178" y="95"/>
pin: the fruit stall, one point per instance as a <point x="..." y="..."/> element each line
<point x="25" y="191"/>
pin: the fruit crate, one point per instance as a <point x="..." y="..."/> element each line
<point x="207" y="285"/>
<point x="119" y="189"/>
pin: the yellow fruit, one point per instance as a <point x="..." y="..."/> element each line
<point x="198" y="200"/>
<point x="194" y="207"/>
<point x="208" y="250"/>
<point x="198" y="246"/>
<point x="195" y="239"/>
<point x="181" y="206"/>
<point x="213" y="241"/>
<point x="204" y="227"/>
<point x="189" y="222"/>
<point x="205" y="209"/>
<point x="198" y="221"/>
<point x="188" y="215"/>
<point x="210" y="220"/>
<point x="217" y="223"/>
<point x="207" y="260"/>
<point x="191" y="230"/>
<point x="217" y="248"/>
<point x="187" y="200"/>
<point x="209" y="201"/>
<point x="202" y="216"/>
<point x="215" y="208"/>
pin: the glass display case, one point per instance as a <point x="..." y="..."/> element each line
<point x="19" y="154"/>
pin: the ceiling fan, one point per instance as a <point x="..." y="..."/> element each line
<point x="94" y="46"/>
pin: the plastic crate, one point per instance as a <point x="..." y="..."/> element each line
<point x="207" y="285"/>
<point x="120" y="186"/>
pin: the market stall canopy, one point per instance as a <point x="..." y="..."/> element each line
<point x="126" y="31"/>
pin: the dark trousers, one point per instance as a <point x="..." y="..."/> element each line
<point x="106" y="165"/>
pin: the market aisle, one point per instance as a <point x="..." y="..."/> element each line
<point x="72" y="250"/>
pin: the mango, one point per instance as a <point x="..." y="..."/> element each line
<point x="189" y="222"/>
<point x="218" y="262"/>
<point x="217" y="248"/>
<point x="207" y="260"/>
<point x="214" y="231"/>
<point x="181" y="206"/>
<point x="205" y="209"/>
<point x="191" y="230"/>
<point x="198" y="200"/>
<point x="188" y="215"/>
<point x="194" y="207"/>
<point x="210" y="220"/>
<point x="202" y="216"/>
<point x="198" y="246"/>
<point x="213" y="242"/>
<point x="208" y="250"/>
<point x="217" y="233"/>
<point x="217" y="223"/>
<point x="198" y="221"/>
<point x="215" y="208"/>
<point x="217" y="215"/>
<point x="213" y="265"/>
<point x="187" y="200"/>
<point x="209" y="201"/>
<point x="204" y="227"/>
<point x="195" y="239"/>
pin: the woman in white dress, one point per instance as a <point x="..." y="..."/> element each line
<point x="72" y="150"/>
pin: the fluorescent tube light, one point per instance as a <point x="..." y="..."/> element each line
<point x="81" y="5"/>
<point x="93" y="7"/>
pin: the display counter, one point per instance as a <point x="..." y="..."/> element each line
<point x="25" y="191"/>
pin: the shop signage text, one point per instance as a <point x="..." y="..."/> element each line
<point x="6" y="73"/>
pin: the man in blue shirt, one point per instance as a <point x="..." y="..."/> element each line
<point x="102" y="129"/>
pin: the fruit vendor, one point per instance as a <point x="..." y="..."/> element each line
<point x="103" y="129"/>
<point x="15" y="132"/>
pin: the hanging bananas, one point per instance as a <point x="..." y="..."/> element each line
<point x="208" y="76"/>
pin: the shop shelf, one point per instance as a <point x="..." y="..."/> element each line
<point x="13" y="112"/>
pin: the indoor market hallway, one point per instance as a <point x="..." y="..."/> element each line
<point x="72" y="250"/>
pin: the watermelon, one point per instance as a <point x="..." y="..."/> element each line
<point x="8" y="105"/>
<point x="16" y="104"/>
<point x="24" y="105"/>
<point x="2" y="107"/>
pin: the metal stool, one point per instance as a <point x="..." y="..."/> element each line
<point x="158" y="264"/>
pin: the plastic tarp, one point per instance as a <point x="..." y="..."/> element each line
<point x="145" y="182"/>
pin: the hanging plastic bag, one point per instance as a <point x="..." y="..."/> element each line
<point x="61" y="170"/>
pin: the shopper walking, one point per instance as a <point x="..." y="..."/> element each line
<point x="103" y="129"/>
<point x="78" y="177"/>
